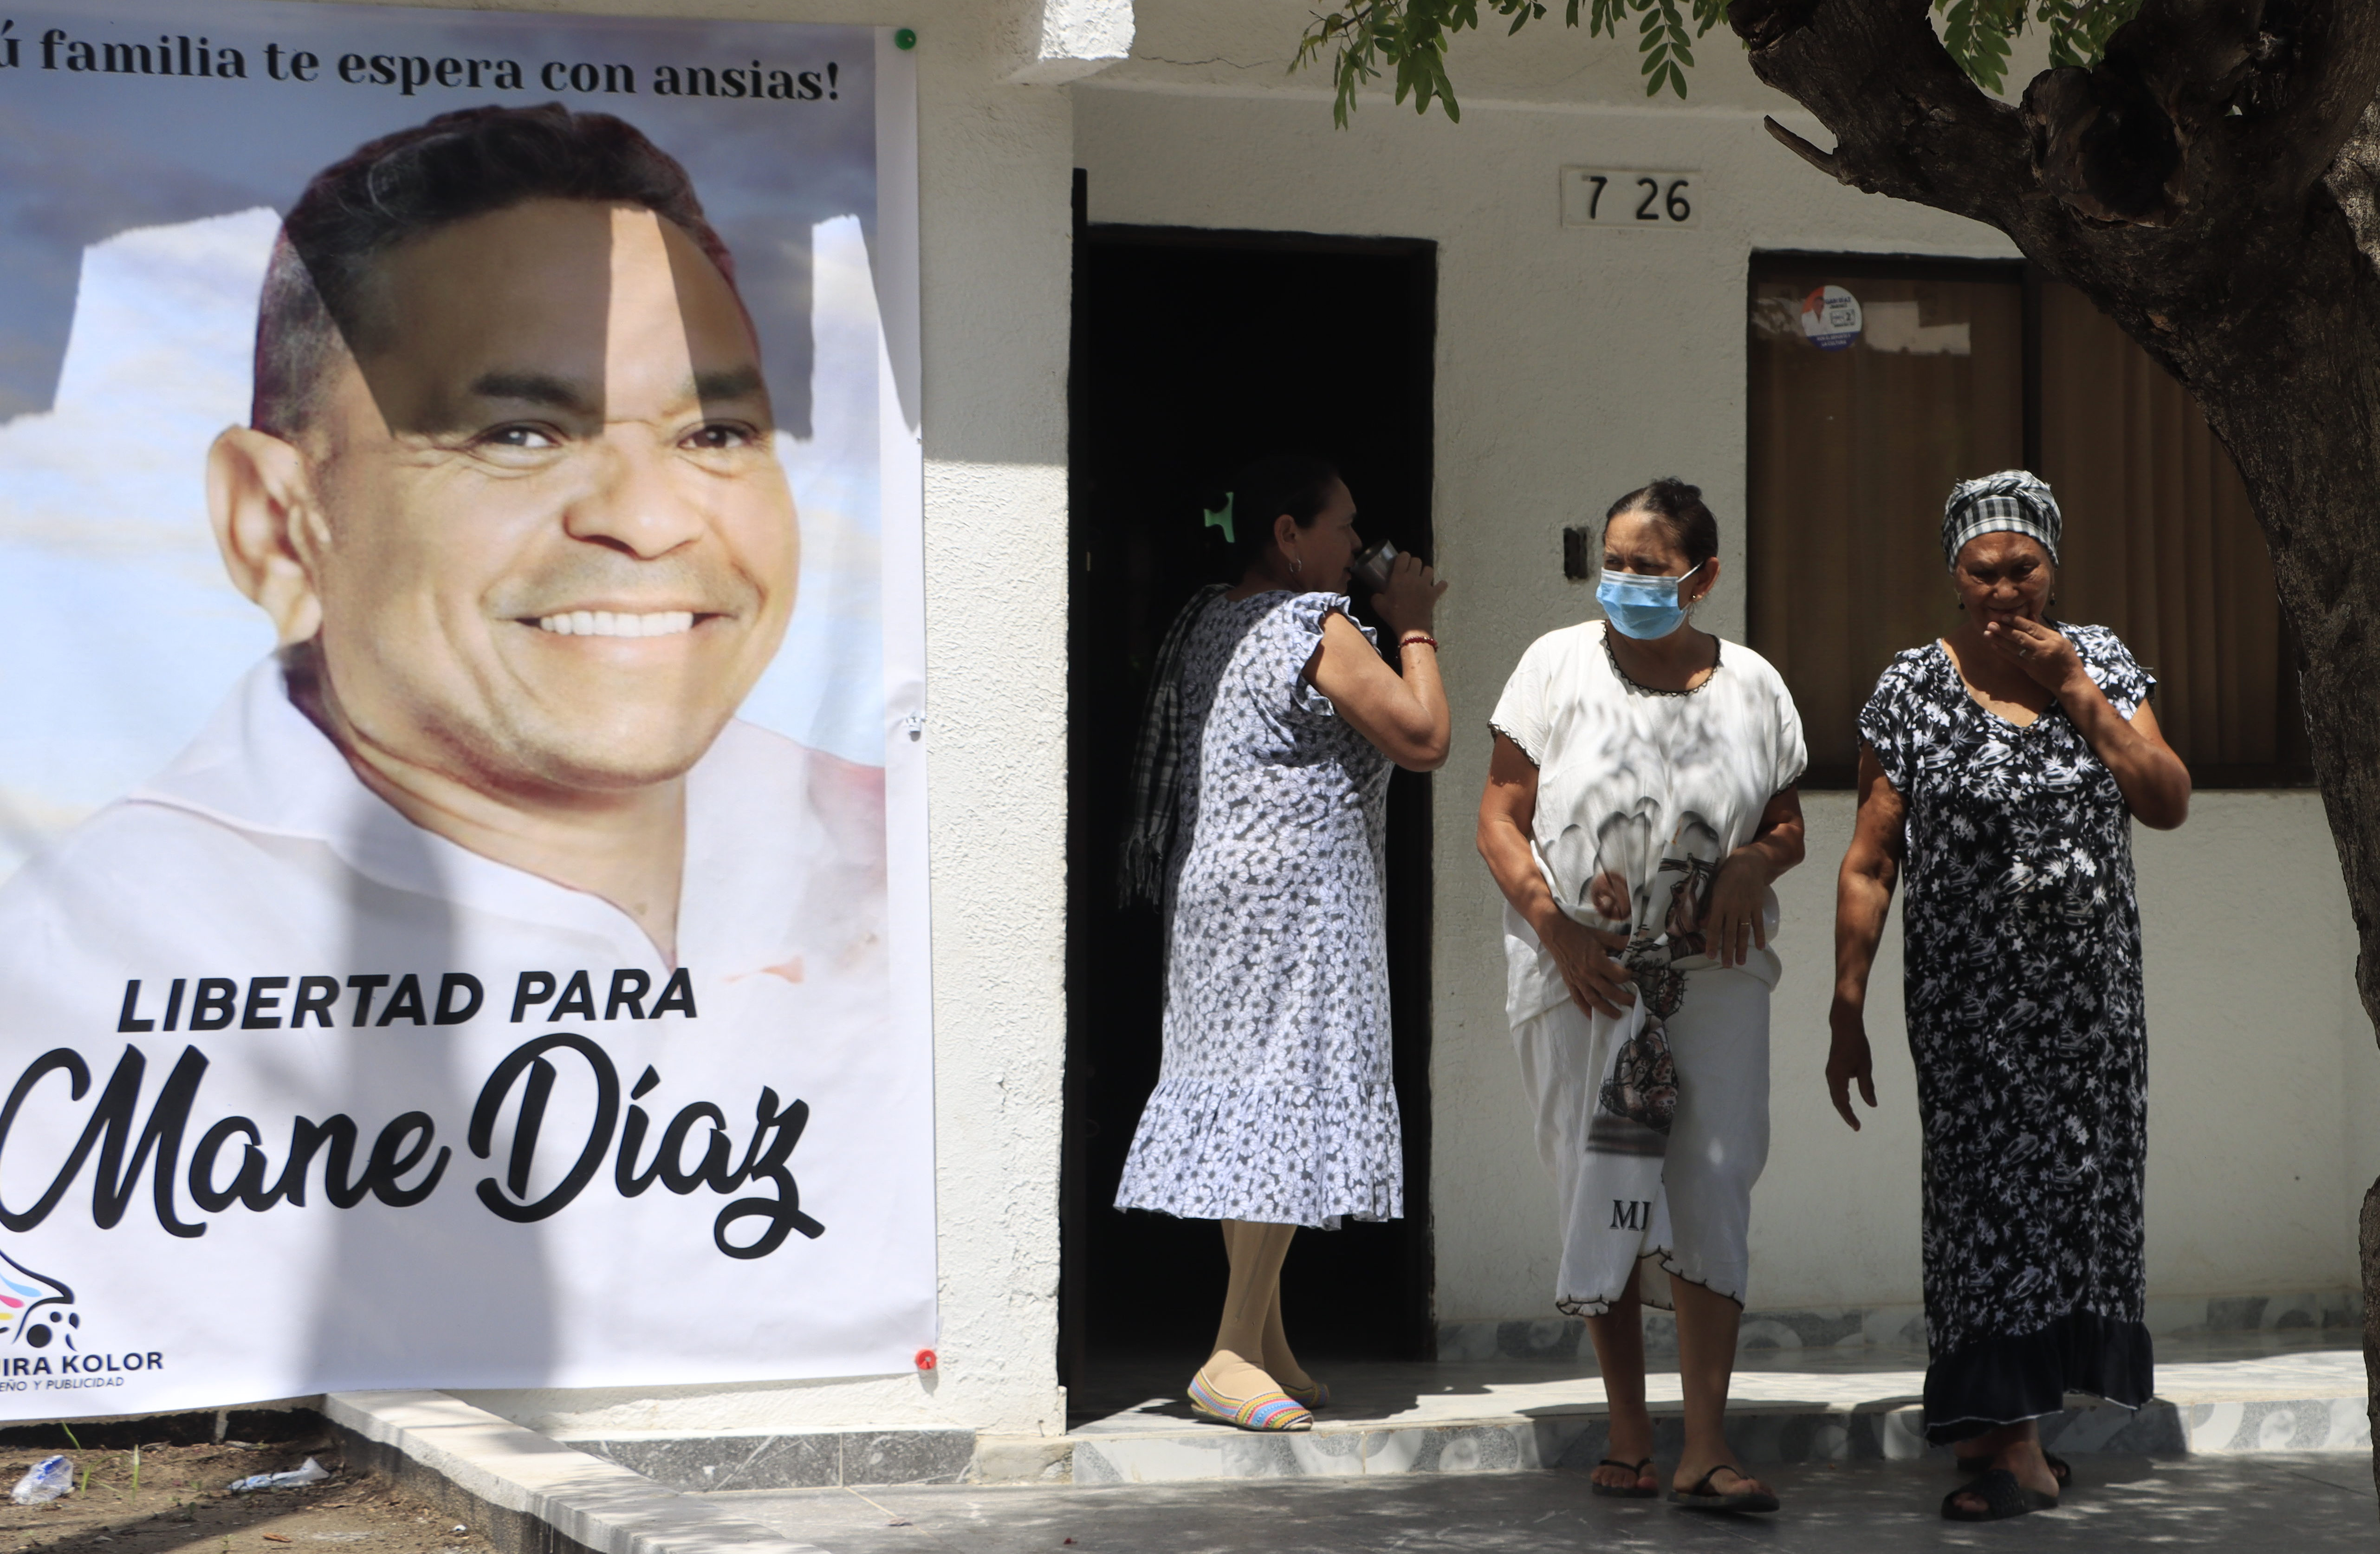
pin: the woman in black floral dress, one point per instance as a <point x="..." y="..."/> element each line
<point x="2001" y="769"/>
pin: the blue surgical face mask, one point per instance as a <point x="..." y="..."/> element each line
<point x="1644" y="608"/>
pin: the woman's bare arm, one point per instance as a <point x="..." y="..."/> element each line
<point x="1404" y="716"/>
<point x="1741" y="889"/>
<point x="2156" y="783"/>
<point x="1506" y="812"/>
<point x="1862" y="898"/>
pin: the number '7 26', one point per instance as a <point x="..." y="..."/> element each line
<point x="1674" y="202"/>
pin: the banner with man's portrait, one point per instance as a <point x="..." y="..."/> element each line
<point x="462" y="837"/>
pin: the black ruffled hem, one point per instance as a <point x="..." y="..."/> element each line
<point x="2007" y="1380"/>
<point x="1665" y="1258"/>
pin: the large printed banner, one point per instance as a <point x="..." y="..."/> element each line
<point x="462" y="877"/>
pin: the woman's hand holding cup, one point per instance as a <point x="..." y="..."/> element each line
<point x="1411" y="597"/>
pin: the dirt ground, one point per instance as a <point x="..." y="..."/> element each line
<point x="183" y="1503"/>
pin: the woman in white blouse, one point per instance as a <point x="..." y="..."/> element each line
<point x="1640" y="801"/>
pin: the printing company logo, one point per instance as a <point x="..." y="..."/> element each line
<point x="44" y="1346"/>
<point x="35" y="1309"/>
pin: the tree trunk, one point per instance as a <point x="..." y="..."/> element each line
<point x="2291" y="383"/>
<point x="2213" y="186"/>
<point x="2292" y="386"/>
<point x="2370" y="1239"/>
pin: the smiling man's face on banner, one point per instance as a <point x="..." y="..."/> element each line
<point x="542" y="795"/>
<point x="534" y="520"/>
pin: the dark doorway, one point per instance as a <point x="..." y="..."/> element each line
<point x="1194" y="352"/>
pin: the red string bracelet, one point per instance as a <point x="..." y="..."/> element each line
<point x="1414" y="638"/>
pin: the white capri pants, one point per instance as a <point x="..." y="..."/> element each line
<point x="1691" y="1209"/>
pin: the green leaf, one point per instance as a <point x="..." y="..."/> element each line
<point x="1976" y="34"/>
<point x="1407" y="41"/>
<point x="2079" y="30"/>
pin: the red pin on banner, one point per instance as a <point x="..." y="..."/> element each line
<point x="926" y="1360"/>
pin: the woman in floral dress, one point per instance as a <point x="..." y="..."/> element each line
<point x="1274" y="1107"/>
<point x="2000" y="769"/>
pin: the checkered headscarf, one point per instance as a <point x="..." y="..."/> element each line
<point x="2015" y="500"/>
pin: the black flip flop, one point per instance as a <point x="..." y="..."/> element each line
<point x="2002" y="1496"/>
<point x="1630" y="1491"/>
<point x="2058" y="1469"/>
<point x="1702" y="1497"/>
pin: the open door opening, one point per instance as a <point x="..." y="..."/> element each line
<point x="1194" y="352"/>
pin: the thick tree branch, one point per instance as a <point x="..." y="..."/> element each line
<point x="1907" y="121"/>
<point x="2320" y="71"/>
<point x="2353" y="179"/>
<point x="1822" y="161"/>
<point x="2198" y="102"/>
<point x="2176" y="180"/>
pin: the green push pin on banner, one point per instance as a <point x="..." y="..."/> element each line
<point x="1222" y="520"/>
<point x="906" y="38"/>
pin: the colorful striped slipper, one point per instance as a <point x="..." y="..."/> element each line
<point x="1266" y="1411"/>
<point x="1314" y="1394"/>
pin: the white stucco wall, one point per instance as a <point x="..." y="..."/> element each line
<point x="1573" y="365"/>
<point x="995" y="179"/>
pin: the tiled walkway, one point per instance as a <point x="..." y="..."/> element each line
<point x="2227" y="1393"/>
<point x="2303" y="1504"/>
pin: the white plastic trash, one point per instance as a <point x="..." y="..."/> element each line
<point x="43" y="1482"/>
<point x="312" y="1473"/>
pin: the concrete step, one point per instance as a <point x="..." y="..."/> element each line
<point x="2190" y="1321"/>
<point x="1390" y="1420"/>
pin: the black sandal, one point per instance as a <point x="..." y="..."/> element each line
<point x="2002" y="1496"/>
<point x="1630" y="1491"/>
<point x="1702" y="1497"/>
<point x="2058" y="1469"/>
